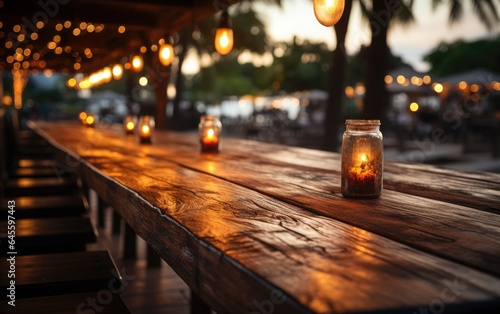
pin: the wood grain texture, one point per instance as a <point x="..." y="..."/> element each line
<point x="239" y="226"/>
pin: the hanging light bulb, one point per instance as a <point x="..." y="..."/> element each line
<point x="328" y="12"/>
<point x="137" y="63"/>
<point x="117" y="71"/>
<point x="166" y="54"/>
<point x="224" y="35"/>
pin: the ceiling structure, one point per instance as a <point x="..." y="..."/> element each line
<point x="86" y="35"/>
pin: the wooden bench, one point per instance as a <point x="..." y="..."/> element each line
<point x="50" y="235"/>
<point x="70" y="303"/>
<point x="40" y="186"/>
<point x="65" y="273"/>
<point x="44" y="206"/>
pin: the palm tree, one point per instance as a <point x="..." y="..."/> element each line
<point x="380" y="14"/>
<point x="486" y="10"/>
<point x="249" y="33"/>
<point x="337" y="79"/>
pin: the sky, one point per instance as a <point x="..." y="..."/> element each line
<point x="412" y="42"/>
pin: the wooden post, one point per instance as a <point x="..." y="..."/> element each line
<point x="101" y="215"/>
<point x="129" y="243"/>
<point x="154" y="260"/>
<point x="117" y="222"/>
<point x="198" y="306"/>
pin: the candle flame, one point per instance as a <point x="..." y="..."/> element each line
<point x="210" y="134"/>
<point x="145" y="129"/>
<point x="130" y="126"/>
<point x="89" y="120"/>
<point x="364" y="158"/>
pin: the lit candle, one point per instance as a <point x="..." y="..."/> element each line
<point x="145" y="129"/>
<point x="361" y="176"/>
<point x="209" y="131"/>
<point x="129" y="124"/>
<point x="362" y="159"/>
<point x="90" y="120"/>
<point x="82" y="116"/>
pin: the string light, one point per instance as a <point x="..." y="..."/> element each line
<point x="117" y="71"/>
<point x="137" y="63"/>
<point x="328" y="12"/>
<point x="166" y="54"/>
<point x="224" y="35"/>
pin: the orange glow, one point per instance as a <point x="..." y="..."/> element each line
<point x="130" y="126"/>
<point x="427" y="79"/>
<point x="137" y="63"/>
<point x="210" y="134"/>
<point x="166" y="54"/>
<point x="145" y="130"/>
<point x="388" y="79"/>
<point x="438" y="88"/>
<point x="89" y="120"/>
<point x="328" y="12"/>
<point x="462" y="85"/>
<point x="474" y="88"/>
<point x="224" y="40"/>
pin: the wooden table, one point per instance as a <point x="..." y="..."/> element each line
<point x="263" y="228"/>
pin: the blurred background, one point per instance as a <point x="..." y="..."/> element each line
<point x="429" y="70"/>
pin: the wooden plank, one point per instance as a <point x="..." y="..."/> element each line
<point x="69" y="303"/>
<point x="46" y="235"/>
<point x="216" y="227"/>
<point x="65" y="273"/>
<point x="44" y="206"/>
<point x="433" y="226"/>
<point x="482" y="192"/>
<point x="207" y="231"/>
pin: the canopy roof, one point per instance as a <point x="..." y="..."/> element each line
<point x="87" y="31"/>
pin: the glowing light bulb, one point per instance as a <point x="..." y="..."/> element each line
<point x="224" y="35"/>
<point x="117" y="71"/>
<point x="137" y="63"/>
<point x="328" y="12"/>
<point x="166" y="54"/>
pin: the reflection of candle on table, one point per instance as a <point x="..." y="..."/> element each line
<point x="361" y="176"/>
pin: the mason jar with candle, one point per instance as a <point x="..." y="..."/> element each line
<point x="129" y="124"/>
<point x="145" y="129"/>
<point x="91" y="120"/>
<point x="362" y="159"/>
<point x="209" y="134"/>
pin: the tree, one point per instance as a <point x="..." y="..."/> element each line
<point x="381" y="15"/>
<point x="486" y="10"/>
<point x="337" y="81"/>
<point x="459" y="56"/>
<point x="249" y="33"/>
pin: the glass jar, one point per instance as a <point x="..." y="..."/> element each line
<point x="145" y="129"/>
<point x="129" y="124"/>
<point x="362" y="159"/>
<point x="209" y="133"/>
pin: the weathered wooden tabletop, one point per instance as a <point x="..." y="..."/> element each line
<point x="262" y="228"/>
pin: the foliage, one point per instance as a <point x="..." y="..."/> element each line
<point x="460" y="56"/>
